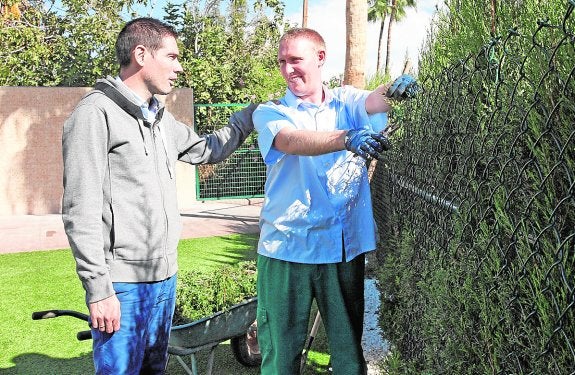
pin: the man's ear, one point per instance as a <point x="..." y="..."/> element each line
<point x="321" y="57"/>
<point x="139" y="53"/>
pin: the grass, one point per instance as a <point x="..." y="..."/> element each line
<point x="43" y="280"/>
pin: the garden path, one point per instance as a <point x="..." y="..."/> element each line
<point x="204" y="219"/>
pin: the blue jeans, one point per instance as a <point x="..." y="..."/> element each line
<point x="141" y="344"/>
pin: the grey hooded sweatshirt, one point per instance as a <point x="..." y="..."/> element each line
<point x="119" y="206"/>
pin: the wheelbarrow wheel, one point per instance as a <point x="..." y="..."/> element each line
<point x="246" y="348"/>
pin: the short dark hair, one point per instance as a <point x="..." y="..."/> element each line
<point x="305" y="33"/>
<point x="146" y="31"/>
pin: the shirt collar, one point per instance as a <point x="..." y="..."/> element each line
<point x="149" y="110"/>
<point x="294" y="101"/>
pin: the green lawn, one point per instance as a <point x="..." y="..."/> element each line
<point x="44" y="280"/>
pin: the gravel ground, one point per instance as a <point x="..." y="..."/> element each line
<point x="374" y="345"/>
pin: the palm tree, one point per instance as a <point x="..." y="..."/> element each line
<point x="398" y="8"/>
<point x="355" y="54"/>
<point x="378" y="12"/>
<point x="304" y="14"/>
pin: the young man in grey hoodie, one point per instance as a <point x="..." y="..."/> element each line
<point x="119" y="206"/>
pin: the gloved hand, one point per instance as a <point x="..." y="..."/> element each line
<point x="404" y="87"/>
<point x="366" y="143"/>
<point x="384" y="142"/>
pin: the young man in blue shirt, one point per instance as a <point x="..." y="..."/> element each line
<point x="317" y="220"/>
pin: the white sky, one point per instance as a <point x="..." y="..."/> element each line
<point x="328" y="18"/>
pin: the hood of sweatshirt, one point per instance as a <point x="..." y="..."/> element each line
<point x="124" y="97"/>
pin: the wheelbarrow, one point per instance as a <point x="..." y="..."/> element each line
<point x="236" y="324"/>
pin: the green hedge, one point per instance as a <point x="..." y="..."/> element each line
<point x="476" y="205"/>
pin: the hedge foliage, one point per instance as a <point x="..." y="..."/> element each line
<point x="201" y="294"/>
<point x="476" y="204"/>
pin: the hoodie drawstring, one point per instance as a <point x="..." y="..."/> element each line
<point x="163" y="136"/>
<point x="141" y="126"/>
<point x="166" y="151"/>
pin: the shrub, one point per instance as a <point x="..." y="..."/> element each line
<point x="201" y="294"/>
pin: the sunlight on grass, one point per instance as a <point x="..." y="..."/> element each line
<point x="317" y="363"/>
<point x="43" y="280"/>
<point x="38" y="281"/>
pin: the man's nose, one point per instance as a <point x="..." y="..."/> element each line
<point x="178" y="67"/>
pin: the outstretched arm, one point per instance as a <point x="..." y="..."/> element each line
<point x="362" y="142"/>
<point x="309" y="142"/>
<point x="216" y="146"/>
<point x="379" y="100"/>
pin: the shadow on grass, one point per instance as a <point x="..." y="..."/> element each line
<point x="41" y="364"/>
<point x="226" y="364"/>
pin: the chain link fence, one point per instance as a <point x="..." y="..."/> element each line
<point x="476" y="211"/>
<point x="242" y="174"/>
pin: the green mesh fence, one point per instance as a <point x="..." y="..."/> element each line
<point x="476" y="211"/>
<point x="242" y="175"/>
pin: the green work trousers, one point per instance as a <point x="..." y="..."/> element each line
<point x="285" y="293"/>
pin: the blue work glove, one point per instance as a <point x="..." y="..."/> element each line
<point x="384" y="142"/>
<point x="366" y="143"/>
<point x="404" y="87"/>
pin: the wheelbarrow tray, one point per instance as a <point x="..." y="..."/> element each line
<point x="209" y="331"/>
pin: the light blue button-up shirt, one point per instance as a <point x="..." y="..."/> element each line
<point x="314" y="205"/>
<point x="149" y="110"/>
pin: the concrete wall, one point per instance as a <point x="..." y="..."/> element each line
<point x="31" y="120"/>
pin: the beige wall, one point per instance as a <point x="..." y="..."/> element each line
<point x="31" y="120"/>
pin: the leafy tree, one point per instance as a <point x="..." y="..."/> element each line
<point x="71" y="44"/>
<point x="10" y="10"/>
<point x="90" y="49"/>
<point x="26" y="45"/>
<point x="228" y="52"/>
<point x="229" y="57"/>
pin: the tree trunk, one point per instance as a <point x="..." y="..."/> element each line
<point x="355" y="54"/>
<point x="389" y="29"/>
<point x="379" y="65"/>
<point x="304" y="13"/>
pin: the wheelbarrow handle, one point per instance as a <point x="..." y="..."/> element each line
<point x="56" y="313"/>
<point x="84" y="335"/>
